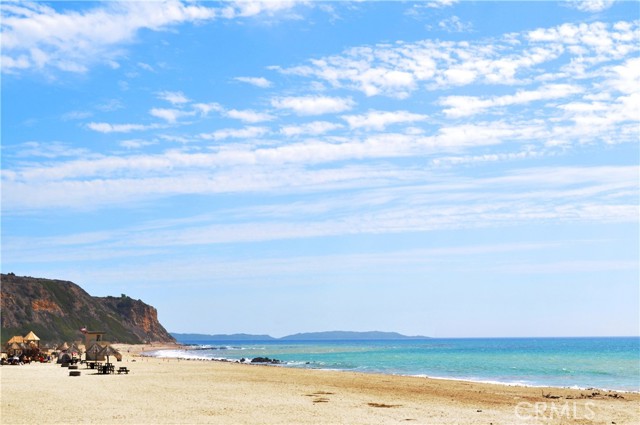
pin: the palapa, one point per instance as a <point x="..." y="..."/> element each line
<point x="13" y="348"/>
<point x="110" y="351"/>
<point x="74" y="349"/>
<point x="17" y="339"/>
<point x="31" y="337"/>
<point x="93" y="352"/>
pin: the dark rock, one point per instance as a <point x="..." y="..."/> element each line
<point x="265" y="360"/>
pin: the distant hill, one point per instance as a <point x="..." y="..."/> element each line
<point x="345" y="335"/>
<point x="56" y="310"/>
<point x="234" y="337"/>
<point x="310" y="336"/>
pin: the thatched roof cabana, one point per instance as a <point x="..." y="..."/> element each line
<point x="93" y="353"/>
<point x="31" y="337"/>
<point x="110" y="351"/>
<point x="14" y="349"/>
<point x="73" y="348"/>
<point x="16" y="339"/>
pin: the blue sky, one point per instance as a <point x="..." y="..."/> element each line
<point x="439" y="168"/>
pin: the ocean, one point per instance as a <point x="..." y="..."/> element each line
<point x="603" y="363"/>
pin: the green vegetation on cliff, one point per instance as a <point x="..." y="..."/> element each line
<point x="56" y="310"/>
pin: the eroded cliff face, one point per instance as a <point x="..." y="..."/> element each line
<point x="143" y="317"/>
<point x="56" y="310"/>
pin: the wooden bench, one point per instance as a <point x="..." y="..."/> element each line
<point x="123" y="369"/>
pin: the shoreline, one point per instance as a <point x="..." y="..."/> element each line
<point x="170" y="391"/>
<point x="455" y="379"/>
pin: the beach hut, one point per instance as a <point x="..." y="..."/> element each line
<point x="93" y="353"/>
<point x="16" y="339"/>
<point x="32" y="338"/>
<point x="74" y="350"/>
<point x="110" y="351"/>
<point x="14" y="349"/>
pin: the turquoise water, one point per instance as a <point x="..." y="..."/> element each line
<point x="605" y="363"/>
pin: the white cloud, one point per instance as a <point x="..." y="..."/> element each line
<point x="146" y="66"/>
<point x="46" y="150"/>
<point x="379" y="120"/>
<point x="399" y="69"/>
<point x="69" y="40"/>
<point x="313" y="105"/>
<point x="242" y="133"/>
<point x="103" y="127"/>
<point x="314" y="128"/>
<point x="463" y="106"/>
<point x="76" y="115"/>
<point x="173" y="97"/>
<point x="437" y="4"/>
<point x="590" y="5"/>
<point x="135" y="143"/>
<point x="110" y="105"/>
<point x="248" y="115"/>
<point x="255" y="81"/>
<point x="41" y="37"/>
<point x="454" y="24"/>
<point x="205" y="108"/>
<point x="169" y="115"/>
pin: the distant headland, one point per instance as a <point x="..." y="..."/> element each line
<point x="307" y="336"/>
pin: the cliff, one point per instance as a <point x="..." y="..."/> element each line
<point x="56" y="310"/>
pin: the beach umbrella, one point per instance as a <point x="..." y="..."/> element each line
<point x="63" y="347"/>
<point x="110" y="351"/>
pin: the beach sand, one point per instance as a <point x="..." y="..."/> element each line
<point x="175" y="391"/>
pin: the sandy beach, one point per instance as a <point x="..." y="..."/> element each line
<point x="195" y="392"/>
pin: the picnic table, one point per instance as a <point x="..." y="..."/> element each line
<point x="106" y="369"/>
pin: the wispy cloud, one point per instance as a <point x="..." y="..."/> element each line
<point x="103" y="127"/>
<point x="72" y="41"/>
<point x="462" y="106"/>
<point x="590" y="5"/>
<point x="314" y="128"/>
<point x="379" y="120"/>
<point x="169" y="115"/>
<point x="399" y="70"/>
<point x="255" y="81"/>
<point x="455" y="24"/>
<point x="248" y="115"/>
<point x="175" y="98"/>
<point x="313" y="105"/>
<point x="236" y="133"/>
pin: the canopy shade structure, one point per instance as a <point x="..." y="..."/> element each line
<point x="94" y="353"/>
<point x="17" y="339"/>
<point x="74" y="348"/>
<point x="31" y="337"/>
<point x="110" y="351"/>
<point x="14" y="348"/>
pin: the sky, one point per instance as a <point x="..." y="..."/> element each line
<point x="441" y="168"/>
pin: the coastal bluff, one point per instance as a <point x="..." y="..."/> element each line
<point x="56" y="310"/>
